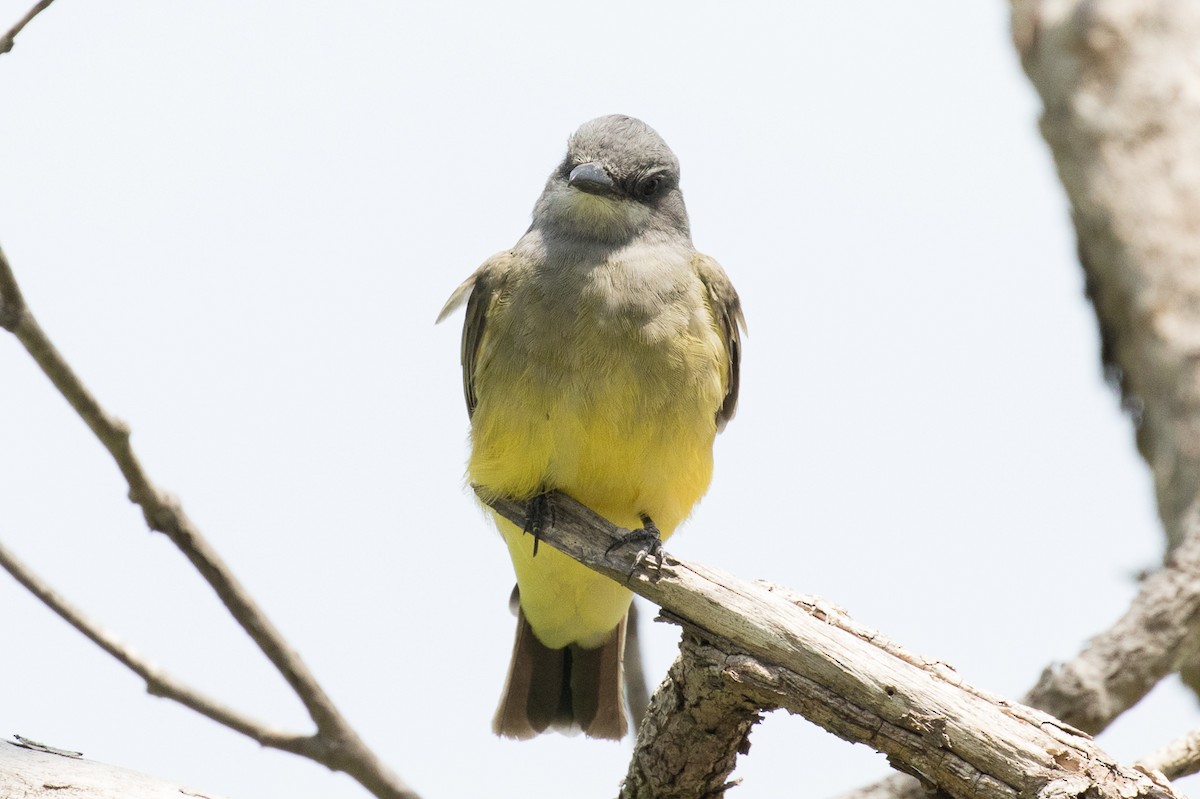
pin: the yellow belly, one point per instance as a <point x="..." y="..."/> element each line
<point x="620" y="442"/>
<point x="604" y="383"/>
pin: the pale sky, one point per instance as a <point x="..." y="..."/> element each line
<point x="239" y="219"/>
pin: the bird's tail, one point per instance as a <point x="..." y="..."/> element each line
<point x="564" y="689"/>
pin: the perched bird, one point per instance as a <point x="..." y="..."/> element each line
<point x="600" y="358"/>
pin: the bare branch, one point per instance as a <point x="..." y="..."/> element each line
<point x="1120" y="665"/>
<point x="1180" y="758"/>
<point x="12" y="301"/>
<point x="1119" y="85"/>
<point x="161" y="511"/>
<point x="158" y="682"/>
<point x="1117" y="667"/>
<point x="336" y="744"/>
<point x="814" y="661"/>
<point x="6" y="42"/>
<point x="33" y="771"/>
<point x="692" y="705"/>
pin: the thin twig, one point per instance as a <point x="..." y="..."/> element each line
<point x="158" y="682"/>
<point x="336" y="745"/>
<point x="12" y="301"/>
<point x="1180" y="758"/>
<point x="6" y="43"/>
<point x="161" y="510"/>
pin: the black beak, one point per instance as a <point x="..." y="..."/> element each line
<point x="591" y="178"/>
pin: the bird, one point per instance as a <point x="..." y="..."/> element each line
<point x="600" y="358"/>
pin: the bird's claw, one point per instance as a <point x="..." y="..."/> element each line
<point x="647" y="538"/>
<point x="539" y="514"/>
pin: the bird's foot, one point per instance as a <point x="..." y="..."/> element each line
<point x="539" y="514"/>
<point x="647" y="538"/>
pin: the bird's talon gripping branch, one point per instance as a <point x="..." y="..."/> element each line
<point x="539" y="515"/>
<point x="649" y="542"/>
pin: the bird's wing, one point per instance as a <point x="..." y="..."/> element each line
<point x="727" y="308"/>
<point x="478" y="292"/>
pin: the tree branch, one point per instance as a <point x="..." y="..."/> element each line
<point x="336" y="744"/>
<point x="158" y="682"/>
<point x="694" y="708"/>
<point x="1120" y="665"/>
<point x="1120" y="87"/>
<point x="6" y="42"/>
<point x="1120" y="84"/>
<point x="30" y="770"/>
<point x="1117" y="667"/>
<point x="1180" y="758"/>
<point x="810" y="658"/>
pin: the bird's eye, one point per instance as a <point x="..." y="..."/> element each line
<point x="649" y="187"/>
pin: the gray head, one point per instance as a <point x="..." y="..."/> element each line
<point x="619" y="180"/>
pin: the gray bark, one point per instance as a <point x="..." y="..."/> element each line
<point x="1120" y="83"/>
<point x="772" y="649"/>
<point x="31" y="772"/>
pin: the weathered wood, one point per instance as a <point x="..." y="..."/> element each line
<point x="810" y="658"/>
<point x="697" y="728"/>
<point x="1179" y="758"/>
<point x="1120" y="665"/>
<point x="1120" y="86"/>
<point x="33" y="773"/>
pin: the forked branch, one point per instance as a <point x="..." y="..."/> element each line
<point x="335" y="744"/>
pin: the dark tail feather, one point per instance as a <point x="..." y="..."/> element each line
<point x="562" y="688"/>
<point x="598" y="687"/>
<point x="534" y="693"/>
